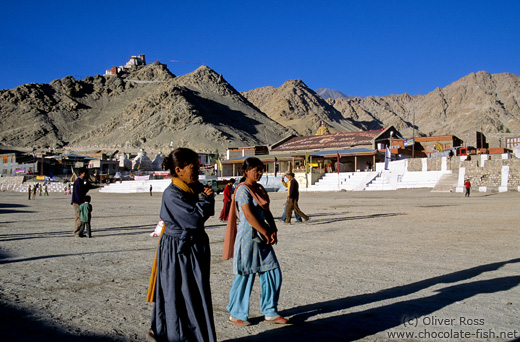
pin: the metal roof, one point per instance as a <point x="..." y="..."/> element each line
<point x="346" y="152"/>
<point x="264" y="158"/>
<point x="338" y="140"/>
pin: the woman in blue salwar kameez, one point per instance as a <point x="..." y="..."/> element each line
<point x="183" y="308"/>
<point x="251" y="205"/>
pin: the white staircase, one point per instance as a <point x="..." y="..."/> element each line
<point x="413" y="180"/>
<point x="383" y="181"/>
<point x="349" y="181"/>
<point x="447" y="183"/>
<point x="158" y="185"/>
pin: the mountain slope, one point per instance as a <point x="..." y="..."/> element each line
<point x="147" y="107"/>
<point x="326" y="93"/>
<point x="297" y="106"/>
<point x="479" y="101"/>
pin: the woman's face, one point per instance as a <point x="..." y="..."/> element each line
<point x="189" y="174"/>
<point x="254" y="174"/>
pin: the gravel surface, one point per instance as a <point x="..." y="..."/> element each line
<point x="436" y="266"/>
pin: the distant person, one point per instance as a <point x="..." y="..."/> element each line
<point x="228" y="192"/>
<point x="250" y="204"/>
<point x="29" y="193"/>
<point x="151" y="188"/>
<point x="287" y="184"/>
<point x="85" y="214"/>
<point x="79" y="191"/>
<point x="35" y="189"/>
<point x="180" y="280"/>
<point x="367" y="166"/>
<point x="40" y="187"/>
<point x="46" y="192"/>
<point x="292" y="199"/>
<point x="467" y="185"/>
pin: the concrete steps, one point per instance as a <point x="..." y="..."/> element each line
<point x="349" y="181"/>
<point x="380" y="183"/>
<point x="414" y="180"/>
<point x="447" y="183"/>
<point x="14" y="187"/>
<point x="158" y="185"/>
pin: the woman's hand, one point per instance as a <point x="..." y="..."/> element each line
<point x="208" y="191"/>
<point x="272" y="239"/>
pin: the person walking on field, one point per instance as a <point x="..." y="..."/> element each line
<point x="292" y="200"/>
<point x="180" y="279"/>
<point x="29" y="193"/>
<point x="250" y="254"/>
<point x="284" y="215"/>
<point x="228" y="192"/>
<point x="79" y="191"/>
<point x="467" y="185"/>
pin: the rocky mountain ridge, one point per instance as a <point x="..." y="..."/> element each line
<point x="478" y="101"/>
<point x="147" y="107"/>
<point x="150" y="107"/>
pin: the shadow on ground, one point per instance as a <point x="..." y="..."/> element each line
<point x="21" y="325"/>
<point x="357" y="325"/>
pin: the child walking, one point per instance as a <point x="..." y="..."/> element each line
<point x="85" y="210"/>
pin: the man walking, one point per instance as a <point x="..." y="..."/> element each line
<point x="79" y="190"/>
<point x="292" y="199"/>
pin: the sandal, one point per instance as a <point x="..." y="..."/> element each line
<point x="277" y="320"/>
<point x="239" y="322"/>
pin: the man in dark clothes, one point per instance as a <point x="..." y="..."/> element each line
<point x="79" y="190"/>
<point x="292" y="199"/>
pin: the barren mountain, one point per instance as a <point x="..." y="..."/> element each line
<point x="147" y="107"/>
<point x="152" y="108"/>
<point x="297" y="106"/>
<point x="479" y="101"/>
<point x="326" y="93"/>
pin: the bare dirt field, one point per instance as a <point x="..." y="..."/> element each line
<point x="368" y="266"/>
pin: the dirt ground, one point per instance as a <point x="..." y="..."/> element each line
<point x="367" y="267"/>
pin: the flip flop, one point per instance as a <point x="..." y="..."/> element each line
<point x="277" y="320"/>
<point x="238" y="322"/>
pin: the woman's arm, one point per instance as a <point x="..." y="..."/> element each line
<point x="259" y="226"/>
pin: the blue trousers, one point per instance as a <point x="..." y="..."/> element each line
<point x="270" y="285"/>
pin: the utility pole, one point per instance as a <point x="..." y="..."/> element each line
<point x="413" y="136"/>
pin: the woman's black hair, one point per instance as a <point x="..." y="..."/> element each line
<point x="180" y="157"/>
<point x="251" y="163"/>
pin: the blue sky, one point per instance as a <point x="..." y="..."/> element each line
<point x="360" y="47"/>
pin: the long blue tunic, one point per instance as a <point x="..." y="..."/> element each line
<point x="183" y="308"/>
<point x="249" y="256"/>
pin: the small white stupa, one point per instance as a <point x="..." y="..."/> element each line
<point x="142" y="162"/>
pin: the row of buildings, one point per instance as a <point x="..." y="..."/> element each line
<point x="313" y="155"/>
<point x="350" y="152"/>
